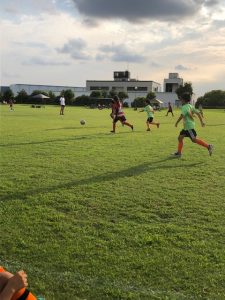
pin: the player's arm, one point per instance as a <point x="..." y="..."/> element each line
<point x="15" y="283"/>
<point x="178" y="120"/>
<point x="200" y="118"/>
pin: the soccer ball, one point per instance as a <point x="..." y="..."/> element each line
<point x="82" y="122"/>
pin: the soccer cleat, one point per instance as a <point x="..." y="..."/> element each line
<point x="210" y="149"/>
<point x="176" y="154"/>
<point x="132" y="127"/>
<point x="112" y="131"/>
<point x="148" y="129"/>
<point x="158" y="125"/>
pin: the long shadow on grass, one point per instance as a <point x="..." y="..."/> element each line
<point x="74" y="138"/>
<point x="109" y="176"/>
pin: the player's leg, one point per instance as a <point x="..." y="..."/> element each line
<point x="154" y="123"/>
<point x="124" y="121"/>
<point x="193" y="137"/>
<point x="148" y="125"/>
<point x="180" y="144"/>
<point x="115" y="120"/>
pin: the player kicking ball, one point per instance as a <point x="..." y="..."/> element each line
<point x="187" y="114"/>
<point x="150" y="115"/>
<point x="118" y="114"/>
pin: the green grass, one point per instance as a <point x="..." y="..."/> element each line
<point x="91" y="215"/>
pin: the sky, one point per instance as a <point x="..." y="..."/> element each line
<point x="66" y="42"/>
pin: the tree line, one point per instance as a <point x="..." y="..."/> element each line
<point x="212" y="99"/>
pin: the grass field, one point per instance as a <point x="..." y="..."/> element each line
<point x="92" y="215"/>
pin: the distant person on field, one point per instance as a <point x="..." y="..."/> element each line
<point x="150" y="115"/>
<point x="62" y="104"/>
<point x="11" y="104"/>
<point x="187" y="115"/>
<point x="119" y="114"/>
<point x="170" y="109"/>
<point x="13" y="287"/>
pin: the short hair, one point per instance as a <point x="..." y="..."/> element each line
<point x="147" y="101"/>
<point x="116" y="98"/>
<point x="186" y="97"/>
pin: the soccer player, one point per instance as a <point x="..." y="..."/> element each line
<point x="170" y="109"/>
<point x="11" y="104"/>
<point x="119" y="114"/>
<point x="150" y="115"/>
<point x="187" y="114"/>
<point x="62" y="104"/>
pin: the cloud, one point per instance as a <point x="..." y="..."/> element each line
<point x="181" y="68"/>
<point x="120" y="53"/>
<point x="142" y="10"/>
<point x="44" y="62"/>
<point x="76" y="48"/>
<point x="155" y="65"/>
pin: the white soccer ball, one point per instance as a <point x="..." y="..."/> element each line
<point x="82" y="122"/>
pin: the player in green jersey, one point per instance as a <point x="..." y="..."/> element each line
<point x="150" y="115"/>
<point x="187" y="115"/>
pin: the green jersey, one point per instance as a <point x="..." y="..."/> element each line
<point x="188" y="112"/>
<point x="149" y="110"/>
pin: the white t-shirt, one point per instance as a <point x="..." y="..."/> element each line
<point x="62" y="101"/>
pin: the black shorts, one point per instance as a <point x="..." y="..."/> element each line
<point x="191" y="133"/>
<point x="149" y="120"/>
<point x="122" y="119"/>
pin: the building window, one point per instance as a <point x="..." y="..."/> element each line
<point x="136" y="88"/>
<point x="99" y="88"/>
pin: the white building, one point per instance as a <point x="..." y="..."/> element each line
<point x="172" y="83"/>
<point x="29" y="88"/>
<point x="120" y="83"/>
<point x="137" y="88"/>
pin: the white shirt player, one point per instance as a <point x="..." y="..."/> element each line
<point x="62" y="101"/>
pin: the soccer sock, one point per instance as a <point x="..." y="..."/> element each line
<point x="23" y="294"/>
<point x="180" y="146"/>
<point x="202" y="143"/>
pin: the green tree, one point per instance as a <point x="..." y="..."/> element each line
<point x="96" y="94"/>
<point x="104" y="94"/>
<point x="112" y="93"/>
<point x="138" y="102"/>
<point x="37" y="92"/>
<point x="8" y="94"/>
<point x="151" y="95"/>
<point x="122" y="95"/>
<point x="215" y="98"/>
<point x="22" y="97"/>
<point x="51" y="95"/>
<point x="186" y="88"/>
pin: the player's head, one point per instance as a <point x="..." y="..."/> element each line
<point x="116" y="98"/>
<point x="147" y="101"/>
<point x="186" y="97"/>
<point x="112" y="101"/>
